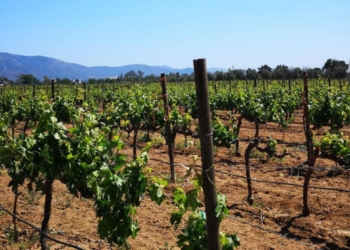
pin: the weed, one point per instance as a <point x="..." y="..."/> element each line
<point x="145" y="137"/>
<point x="69" y="201"/>
<point x="178" y="145"/>
<point x="188" y="143"/>
<point x="31" y="125"/>
<point x="23" y="246"/>
<point x="257" y="204"/>
<point x="157" y="140"/>
<point x="255" y="154"/>
<point x="166" y="247"/>
<point x="33" y="197"/>
<point x="10" y="234"/>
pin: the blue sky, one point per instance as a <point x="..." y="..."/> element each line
<point x="227" y="33"/>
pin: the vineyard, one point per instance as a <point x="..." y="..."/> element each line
<point x="117" y="166"/>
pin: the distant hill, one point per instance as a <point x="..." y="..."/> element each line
<point x="13" y="65"/>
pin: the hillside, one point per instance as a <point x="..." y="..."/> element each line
<point x="13" y="65"/>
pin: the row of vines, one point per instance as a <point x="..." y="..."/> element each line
<point x="73" y="134"/>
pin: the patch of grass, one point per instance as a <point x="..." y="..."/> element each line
<point x="166" y="247"/>
<point x="2" y="170"/>
<point x="23" y="246"/>
<point x="300" y="148"/>
<point x="31" y="242"/>
<point x="69" y="201"/>
<point x="257" y="204"/>
<point x="255" y="154"/>
<point x="278" y="160"/>
<point x="157" y="140"/>
<point x="144" y="137"/>
<point x="178" y="145"/>
<point x="31" y="125"/>
<point x="32" y="197"/>
<point x="10" y="234"/>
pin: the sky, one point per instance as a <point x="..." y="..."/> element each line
<point x="227" y="33"/>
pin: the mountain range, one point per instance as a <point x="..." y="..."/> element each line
<point x="11" y="66"/>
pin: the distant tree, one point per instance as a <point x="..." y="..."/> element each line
<point x="171" y="77"/>
<point x="100" y="81"/>
<point x="339" y="72"/>
<point x="130" y="74"/>
<point x="46" y="80"/>
<point x="230" y="75"/>
<point x="251" y="74"/>
<point x="281" y="72"/>
<point x="57" y="80"/>
<point x="211" y="76"/>
<point x="265" y="72"/>
<point x="140" y="73"/>
<point x="219" y="75"/>
<point x="65" y="81"/>
<point x="297" y="73"/>
<point x="92" y="81"/>
<point x="317" y="72"/>
<point x="5" y="80"/>
<point x="239" y="74"/>
<point x="187" y="78"/>
<point x="109" y="80"/>
<point x="151" y="78"/>
<point x="313" y="73"/>
<point x="335" y="69"/>
<point x="27" y="79"/>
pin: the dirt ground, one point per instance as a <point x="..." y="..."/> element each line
<point x="274" y="220"/>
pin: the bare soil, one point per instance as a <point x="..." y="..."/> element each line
<point x="274" y="221"/>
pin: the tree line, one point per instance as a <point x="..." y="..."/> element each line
<point x="332" y="68"/>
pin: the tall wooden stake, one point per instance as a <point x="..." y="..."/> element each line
<point x="168" y="129"/>
<point x="311" y="158"/>
<point x="53" y="90"/>
<point x="206" y="140"/>
<point x="84" y="86"/>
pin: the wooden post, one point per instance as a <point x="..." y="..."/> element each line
<point x="167" y="129"/>
<point x="264" y="85"/>
<point x="53" y="90"/>
<point x="206" y="140"/>
<point x="84" y="86"/>
<point x="34" y="91"/>
<point x="289" y="85"/>
<point x="103" y="96"/>
<point x="311" y="158"/>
